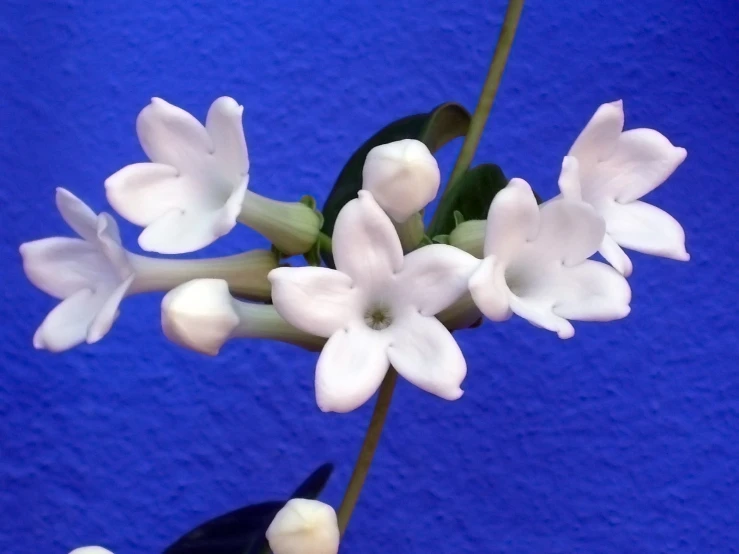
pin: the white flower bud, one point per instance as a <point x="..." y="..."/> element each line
<point x="200" y="315"/>
<point x="304" y="527"/>
<point x="403" y="177"/>
<point x="90" y="550"/>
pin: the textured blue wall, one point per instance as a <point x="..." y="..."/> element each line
<point x="623" y="439"/>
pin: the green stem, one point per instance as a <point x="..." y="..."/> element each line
<point x="485" y="103"/>
<point x="371" y="439"/>
<point x="324" y="242"/>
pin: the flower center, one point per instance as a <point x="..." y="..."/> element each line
<point x="378" y="317"/>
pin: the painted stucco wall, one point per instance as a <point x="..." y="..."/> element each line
<point x="623" y="439"/>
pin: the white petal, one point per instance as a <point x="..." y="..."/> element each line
<point x="597" y="140"/>
<point x="643" y="160"/>
<point x="568" y="231"/>
<point x="434" y="277"/>
<point x="304" y="527"/>
<point x="365" y="244"/>
<point x="316" y="300"/>
<point x="143" y="192"/>
<point x="592" y="291"/>
<point x="226" y="131"/>
<point x="424" y="352"/>
<point x="569" y="179"/>
<point x="513" y="219"/>
<point x="350" y="368"/>
<point x="61" y="266"/>
<point x="77" y="214"/>
<point x="489" y="290"/>
<point x="90" y="550"/>
<point x="645" y="228"/>
<point x="109" y="242"/>
<point x="66" y="325"/>
<point x="178" y="232"/>
<point x="615" y="256"/>
<point x="539" y="312"/>
<point x="199" y="315"/>
<point x="403" y="177"/>
<point x="108" y="312"/>
<point x="169" y="135"/>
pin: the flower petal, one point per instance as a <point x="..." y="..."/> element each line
<point x="169" y="135"/>
<point x="569" y="179"/>
<point x="226" y="131"/>
<point x="642" y="227"/>
<point x="108" y="312"/>
<point x="316" y="300"/>
<point x="489" y="290"/>
<point x="77" y="214"/>
<point x="434" y="277"/>
<point x="597" y="140"/>
<point x="615" y="256"/>
<point x="365" y="244"/>
<point x="643" y="160"/>
<point x="350" y="368"/>
<point x="143" y="192"/>
<point x="90" y="550"/>
<point x="513" y="219"/>
<point x="424" y="352"/>
<point x="66" y="325"/>
<point x="304" y="526"/>
<point x="591" y="291"/>
<point x="568" y="231"/>
<point x="61" y="266"/>
<point x="539" y="312"/>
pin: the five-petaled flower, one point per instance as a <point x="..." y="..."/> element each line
<point x="91" y="275"/>
<point x="192" y="192"/>
<point x="377" y="308"/>
<point x="536" y="264"/>
<point x="611" y="169"/>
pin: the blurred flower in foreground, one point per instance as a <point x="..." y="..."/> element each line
<point x="611" y="169"/>
<point x="377" y="308"/>
<point x="90" y="550"/>
<point x="304" y="527"/>
<point x="536" y="264"/>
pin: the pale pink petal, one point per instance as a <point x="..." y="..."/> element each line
<point x="434" y="277"/>
<point x="226" y="130"/>
<point x="316" y="300"/>
<point x="108" y="312"/>
<point x="591" y="291"/>
<point x="569" y="179"/>
<point x="513" y="219"/>
<point x="489" y="290"/>
<point x="645" y="228"/>
<point x="76" y="213"/>
<point x="424" y="352"/>
<point x="350" y="368"/>
<point x="67" y="324"/>
<point x="615" y="256"/>
<point x="365" y="244"/>
<point x="539" y="312"/>
<point x="597" y="141"/>
<point x="568" y="231"/>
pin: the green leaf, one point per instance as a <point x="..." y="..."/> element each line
<point x="243" y="531"/>
<point x="471" y="198"/>
<point x="435" y="129"/>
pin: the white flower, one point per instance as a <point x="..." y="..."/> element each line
<point x="202" y="315"/>
<point x="91" y="275"/>
<point x="90" y="550"/>
<point x="193" y="190"/>
<point x="403" y="177"/>
<point x="304" y="527"/>
<point x="377" y="308"/>
<point x="535" y="264"/>
<point x="611" y="169"/>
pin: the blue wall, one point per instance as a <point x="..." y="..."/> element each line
<point x="623" y="439"/>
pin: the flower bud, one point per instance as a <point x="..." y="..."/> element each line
<point x="200" y="315"/>
<point x="90" y="550"/>
<point x="304" y="527"/>
<point x="403" y="177"/>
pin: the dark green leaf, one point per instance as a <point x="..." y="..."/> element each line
<point x="242" y="531"/>
<point x="434" y="129"/>
<point x="470" y="198"/>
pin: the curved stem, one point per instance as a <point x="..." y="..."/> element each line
<point x="487" y="96"/>
<point x="371" y="439"/>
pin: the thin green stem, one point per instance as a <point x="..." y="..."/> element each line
<point x="324" y="242"/>
<point x="485" y="103"/>
<point x="371" y="439"/>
